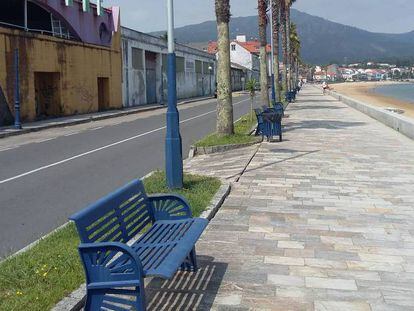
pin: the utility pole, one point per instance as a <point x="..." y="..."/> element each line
<point x="173" y="144"/>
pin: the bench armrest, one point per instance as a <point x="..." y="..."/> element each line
<point x="169" y="207"/>
<point x="110" y="262"/>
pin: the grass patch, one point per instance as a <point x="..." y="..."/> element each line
<point x="242" y="128"/>
<point x="39" y="278"/>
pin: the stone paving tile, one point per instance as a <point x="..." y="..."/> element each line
<point x="321" y="221"/>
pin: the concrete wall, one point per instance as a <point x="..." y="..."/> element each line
<point x="75" y="66"/>
<point x="137" y="81"/>
<point x="397" y="122"/>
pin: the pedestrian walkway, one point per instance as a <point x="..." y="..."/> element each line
<point x="322" y="221"/>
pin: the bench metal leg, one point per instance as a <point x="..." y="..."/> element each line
<point x="190" y="263"/>
<point x="116" y="299"/>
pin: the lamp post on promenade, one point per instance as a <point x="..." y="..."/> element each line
<point x="210" y="70"/>
<point x="173" y="144"/>
<point x="272" y="54"/>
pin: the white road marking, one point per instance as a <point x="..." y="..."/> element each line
<point x="105" y="147"/>
<point x="72" y="133"/>
<point x="96" y="128"/>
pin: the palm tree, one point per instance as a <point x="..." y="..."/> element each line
<point x="285" y="17"/>
<point x="275" y="29"/>
<point x="224" y="96"/>
<point x="262" y="9"/>
<point x="295" y="46"/>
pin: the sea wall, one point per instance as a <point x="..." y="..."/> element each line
<point x="398" y="122"/>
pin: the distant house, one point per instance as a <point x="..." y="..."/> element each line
<point x="245" y="54"/>
<point x="320" y="76"/>
<point x="333" y="73"/>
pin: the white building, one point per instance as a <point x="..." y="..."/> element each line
<point x="144" y="60"/>
<point x="245" y="54"/>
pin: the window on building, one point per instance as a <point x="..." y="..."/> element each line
<point x="180" y="64"/>
<point x="137" y="61"/>
<point x="233" y="47"/>
<point x="206" y="67"/>
<point x="198" y="66"/>
<point x="189" y="66"/>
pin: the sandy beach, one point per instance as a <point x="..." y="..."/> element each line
<point x="363" y="91"/>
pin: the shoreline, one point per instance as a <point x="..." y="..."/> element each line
<point x="364" y="91"/>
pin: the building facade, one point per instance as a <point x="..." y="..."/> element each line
<point x="70" y="58"/>
<point x="145" y="70"/>
<point x="245" y="54"/>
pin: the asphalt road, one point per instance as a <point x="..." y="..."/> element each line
<point x="48" y="176"/>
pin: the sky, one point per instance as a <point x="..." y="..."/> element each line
<point x="388" y="16"/>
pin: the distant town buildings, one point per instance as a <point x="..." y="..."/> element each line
<point x="369" y="71"/>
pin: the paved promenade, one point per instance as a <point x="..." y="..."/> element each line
<point x="321" y="221"/>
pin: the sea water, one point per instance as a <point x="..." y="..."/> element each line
<point x="404" y="92"/>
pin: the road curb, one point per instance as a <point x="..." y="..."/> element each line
<point x="115" y="114"/>
<point x="76" y="300"/>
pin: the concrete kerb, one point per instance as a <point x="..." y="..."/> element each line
<point x="395" y="121"/>
<point x="195" y="151"/>
<point x="76" y="300"/>
<point x="98" y="117"/>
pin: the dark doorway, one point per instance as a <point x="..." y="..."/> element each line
<point x="47" y="94"/>
<point x="151" y="76"/>
<point x="103" y="93"/>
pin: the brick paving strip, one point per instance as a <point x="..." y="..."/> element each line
<point x="322" y="221"/>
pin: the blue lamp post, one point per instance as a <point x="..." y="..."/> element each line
<point x="173" y="144"/>
<point x="17" y="123"/>
<point x="272" y="53"/>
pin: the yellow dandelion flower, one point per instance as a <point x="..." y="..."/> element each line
<point x="44" y="274"/>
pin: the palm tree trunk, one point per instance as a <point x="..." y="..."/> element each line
<point x="284" y="46"/>
<point x="264" y="87"/>
<point x="276" y="39"/>
<point x="224" y="96"/>
<point x="289" y="58"/>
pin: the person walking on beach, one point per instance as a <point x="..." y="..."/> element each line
<point x="325" y="87"/>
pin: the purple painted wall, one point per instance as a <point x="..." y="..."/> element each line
<point x="87" y="26"/>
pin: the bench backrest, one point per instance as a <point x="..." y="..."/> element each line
<point x="117" y="217"/>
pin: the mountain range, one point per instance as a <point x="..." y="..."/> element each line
<point x="323" y="41"/>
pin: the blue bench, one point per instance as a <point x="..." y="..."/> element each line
<point x="129" y="235"/>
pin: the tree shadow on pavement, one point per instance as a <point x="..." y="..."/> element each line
<point x="303" y="153"/>
<point x="187" y="290"/>
<point x="321" y="124"/>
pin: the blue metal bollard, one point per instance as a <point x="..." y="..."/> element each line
<point x="17" y="123"/>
